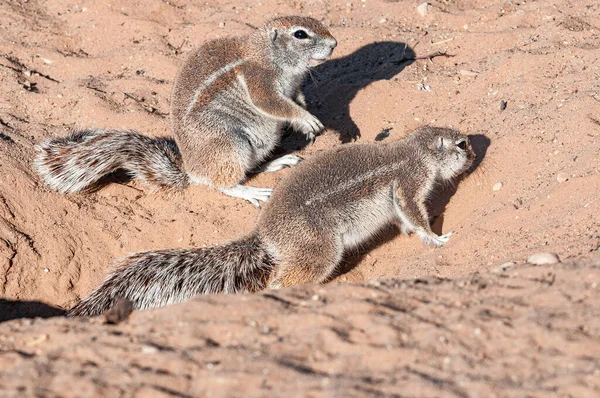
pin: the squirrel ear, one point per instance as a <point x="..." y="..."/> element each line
<point x="273" y="34"/>
<point x="438" y="144"/>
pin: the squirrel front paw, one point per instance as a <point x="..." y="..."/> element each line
<point x="308" y="125"/>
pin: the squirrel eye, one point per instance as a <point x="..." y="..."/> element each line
<point x="300" y="34"/>
<point x="462" y="145"/>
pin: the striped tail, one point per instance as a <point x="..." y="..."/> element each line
<point x="80" y="160"/>
<point x="160" y="278"/>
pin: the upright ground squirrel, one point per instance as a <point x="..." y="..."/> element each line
<point x="230" y="101"/>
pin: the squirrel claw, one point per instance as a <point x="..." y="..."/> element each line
<point x="434" y="240"/>
<point x="308" y="124"/>
<point x="280" y="163"/>
<point x="253" y="195"/>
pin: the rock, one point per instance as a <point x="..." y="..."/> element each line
<point x="423" y="9"/>
<point x="562" y="177"/>
<point x="424" y="87"/>
<point x="37" y="340"/>
<point x="497" y="186"/>
<point x="118" y="312"/>
<point x="465" y="72"/>
<point x="543" y="259"/>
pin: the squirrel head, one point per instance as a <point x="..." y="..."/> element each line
<point x="301" y="42"/>
<point x="449" y="150"/>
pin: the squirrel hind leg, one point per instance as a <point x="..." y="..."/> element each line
<point x="253" y="195"/>
<point x="430" y="238"/>
<point x="312" y="262"/>
<point x="279" y="163"/>
<point x="222" y="164"/>
<point x="300" y="274"/>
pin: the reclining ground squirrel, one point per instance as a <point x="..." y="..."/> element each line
<point x="230" y="101"/>
<point x="327" y="205"/>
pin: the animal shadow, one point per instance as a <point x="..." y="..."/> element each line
<point x="436" y="206"/>
<point x="335" y="83"/>
<point x="12" y="309"/>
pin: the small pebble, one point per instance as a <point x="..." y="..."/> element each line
<point x="504" y="267"/>
<point x="465" y="72"/>
<point x="118" y="312"/>
<point x="383" y="20"/>
<point x="543" y="259"/>
<point x="422" y="9"/>
<point x="562" y="177"/>
<point x="424" y="87"/>
<point x="148" y="349"/>
<point x="37" y="340"/>
<point x="497" y="186"/>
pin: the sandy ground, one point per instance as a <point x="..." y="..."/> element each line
<point x="524" y="75"/>
<point x="525" y="332"/>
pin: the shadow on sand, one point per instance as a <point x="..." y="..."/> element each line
<point x="335" y="83"/>
<point x="12" y="309"/>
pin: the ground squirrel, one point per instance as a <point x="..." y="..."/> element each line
<point x="230" y="100"/>
<point x="327" y="205"/>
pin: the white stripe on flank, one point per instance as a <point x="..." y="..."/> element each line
<point x="210" y="80"/>
<point x="354" y="182"/>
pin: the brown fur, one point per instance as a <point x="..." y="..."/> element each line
<point x="329" y="204"/>
<point x="256" y="79"/>
<point x="230" y="100"/>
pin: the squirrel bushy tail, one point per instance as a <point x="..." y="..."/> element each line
<point x="159" y="278"/>
<point x="78" y="161"/>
